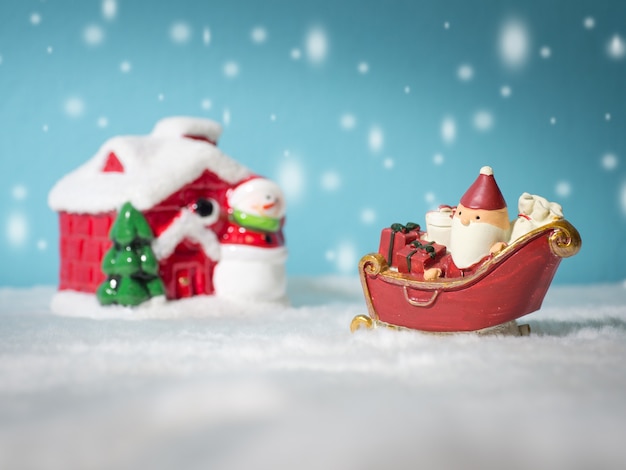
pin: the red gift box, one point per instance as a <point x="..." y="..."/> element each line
<point x="415" y="257"/>
<point x="396" y="237"/>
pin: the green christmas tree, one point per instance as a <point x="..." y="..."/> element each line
<point x="130" y="265"/>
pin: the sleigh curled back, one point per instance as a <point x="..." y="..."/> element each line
<point x="508" y="286"/>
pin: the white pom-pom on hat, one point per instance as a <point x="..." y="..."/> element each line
<point x="484" y="194"/>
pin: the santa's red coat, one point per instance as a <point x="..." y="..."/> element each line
<point x="451" y="270"/>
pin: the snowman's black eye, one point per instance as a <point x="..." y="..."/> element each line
<point x="203" y="207"/>
<point x="477" y="217"/>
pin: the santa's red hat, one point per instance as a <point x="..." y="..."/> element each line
<point x="484" y="193"/>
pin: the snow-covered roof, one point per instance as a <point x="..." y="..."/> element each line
<point x="154" y="167"/>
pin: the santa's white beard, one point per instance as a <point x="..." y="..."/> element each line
<point x="471" y="243"/>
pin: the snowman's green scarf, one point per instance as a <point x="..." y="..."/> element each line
<point x="256" y="222"/>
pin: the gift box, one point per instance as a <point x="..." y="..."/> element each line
<point x="396" y="237"/>
<point x="418" y="256"/>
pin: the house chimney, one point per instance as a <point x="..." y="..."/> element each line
<point x="200" y="137"/>
<point x="188" y="127"/>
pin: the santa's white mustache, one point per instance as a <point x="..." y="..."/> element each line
<point x="470" y="243"/>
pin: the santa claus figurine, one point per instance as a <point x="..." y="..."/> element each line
<point x="480" y="228"/>
<point x="253" y="255"/>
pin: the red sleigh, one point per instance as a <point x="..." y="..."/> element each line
<point x="508" y="286"/>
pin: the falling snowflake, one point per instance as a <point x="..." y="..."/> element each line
<point x="623" y="197"/>
<point x="483" y="120"/>
<point x="17" y="229"/>
<point x="448" y="130"/>
<point x="74" y="107"/>
<point x="258" y="35"/>
<point x="180" y="32"/>
<point x="103" y="122"/>
<point x="226" y="116"/>
<point x="125" y="66"/>
<point x="514" y="44"/>
<point x="49" y="49"/>
<point x="109" y="9"/>
<point x="272" y="117"/>
<point x="438" y="159"/>
<point x="206" y="36"/>
<point x="607" y="116"/>
<point x="42" y="244"/>
<point x="347" y="121"/>
<point x="295" y="54"/>
<point x="388" y="163"/>
<point x="45" y="127"/>
<point x="206" y="104"/>
<point x="446" y="25"/>
<point x="465" y="72"/>
<point x="609" y="161"/>
<point x="160" y="97"/>
<point x="93" y="35"/>
<point x="346" y="258"/>
<point x="407" y="89"/>
<point x="505" y="91"/>
<point x="589" y="22"/>
<point x="545" y="52"/>
<point x="19" y="192"/>
<point x="291" y="178"/>
<point x="316" y="46"/>
<point x="553" y="120"/>
<point x="616" y="48"/>
<point x="363" y="68"/>
<point x="35" y="19"/>
<point x="231" y="69"/>
<point x="330" y="181"/>
<point x="563" y="189"/>
<point x="375" y="139"/>
<point x="368" y="216"/>
<point x="430" y="197"/>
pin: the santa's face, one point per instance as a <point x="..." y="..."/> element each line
<point x="473" y="233"/>
<point x="259" y="197"/>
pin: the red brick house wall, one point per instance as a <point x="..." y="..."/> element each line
<point x="84" y="240"/>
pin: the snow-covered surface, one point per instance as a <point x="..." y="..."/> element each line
<point x="155" y="166"/>
<point x="219" y="385"/>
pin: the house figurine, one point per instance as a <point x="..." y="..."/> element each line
<point x="218" y="227"/>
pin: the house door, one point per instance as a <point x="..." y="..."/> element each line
<point x="185" y="278"/>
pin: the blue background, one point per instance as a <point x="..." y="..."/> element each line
<point x="73" y="74"/>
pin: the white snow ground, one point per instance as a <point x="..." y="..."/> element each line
<point x="291" y="388"/>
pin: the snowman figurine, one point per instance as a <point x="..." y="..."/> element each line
<point x="253" y="253"/>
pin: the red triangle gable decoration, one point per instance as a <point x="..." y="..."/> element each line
<point x="113" y="164"/>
